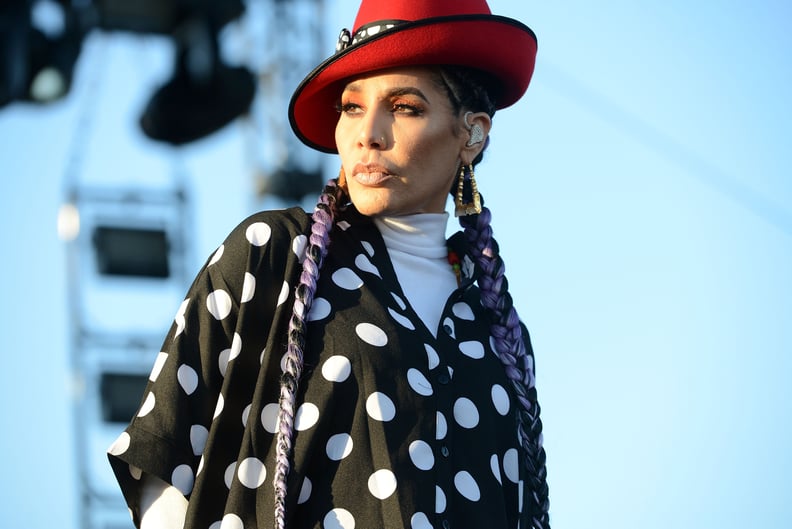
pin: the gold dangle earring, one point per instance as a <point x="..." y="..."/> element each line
<point x="467" y="198"/>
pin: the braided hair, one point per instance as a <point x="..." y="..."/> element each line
<point x="318" y="242"/>
<point x="466" y="89"/>
<point x="471" y="89"/>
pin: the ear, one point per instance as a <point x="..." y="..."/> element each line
<point x="476" y="128"/>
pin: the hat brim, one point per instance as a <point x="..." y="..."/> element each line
<point x="500" y="46"/>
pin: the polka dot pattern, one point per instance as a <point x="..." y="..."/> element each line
<point x="339" y="519"/>
<point x="336" y="368"/>
<point x="371" y="334"/>
<point x="384" y="403"/>
<point x="382" y="484"/>
<point x="380" y="407"/>
<point x="252" y="473"/>
<point x="339" y="446"/>
<point x="219" y="304"/>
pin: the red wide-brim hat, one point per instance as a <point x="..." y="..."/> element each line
<point x="396" y="33"/>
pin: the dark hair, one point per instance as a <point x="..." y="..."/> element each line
<point x="467" y="90"/>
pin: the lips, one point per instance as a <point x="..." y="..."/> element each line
<point x="371" y="174"/>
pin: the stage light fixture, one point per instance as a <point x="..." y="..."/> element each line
<point x="37" y="62"/>
<point x="204" y="94"/>
<point x="291" y="183"/>
<point x="197" y="101"/>
<point x="120" y="395"/>
<point x="131" y="252"/>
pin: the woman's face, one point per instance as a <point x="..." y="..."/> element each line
<point x="399" y="141"/>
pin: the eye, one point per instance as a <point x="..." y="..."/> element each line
<point x="407" y="109"/>
<point x="348" y="108"/>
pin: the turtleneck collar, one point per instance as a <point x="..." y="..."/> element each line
<point x="421" y="234"/>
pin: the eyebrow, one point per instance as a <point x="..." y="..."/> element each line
<point x="394" y="92"/>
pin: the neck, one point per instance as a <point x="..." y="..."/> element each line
<point x="421" y="235"/>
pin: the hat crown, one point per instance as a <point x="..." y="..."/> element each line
<point x="375" y="10"/>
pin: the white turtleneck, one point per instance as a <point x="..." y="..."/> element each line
<point x="417" y="247"/>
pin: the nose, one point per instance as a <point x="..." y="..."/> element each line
<point x="373" y="131"/>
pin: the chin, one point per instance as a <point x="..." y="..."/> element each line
<point x="371" y="204"/>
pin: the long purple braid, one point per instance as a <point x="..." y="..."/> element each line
<point x="315" y="253"/>
<point x="517" y="361"/>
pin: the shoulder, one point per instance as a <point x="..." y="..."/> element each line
<point x="265" y="227"/>
<point x="262" y="241"/>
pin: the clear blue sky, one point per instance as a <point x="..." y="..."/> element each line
<point x="642" y="198"/>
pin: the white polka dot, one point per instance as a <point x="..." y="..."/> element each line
<point x="382" y="484"/>
<point x="216" y="525"/>
<point x="421" y="455"/>
<point x="368" y="247"/>
<point x="319" y="310"/>
<point x="230" y="354"/>
<point x="248" y="287"/>
<point x="511" y="465"/>
<point x="442" y="426"/>
<point x="180" y="319"/>
<point x="431" y="356"/>
<point x="520" y="493"/>
<point x="147" y="405"/>
<point x="219" y="406"/>
<point x="159" y="362"/>
<point x="198" y="436"/>
<point x="339" y="519"/>
<point x="232" y="521"/>
<point x="219" y="304"/>
<point x="228" y="475"/>
<point x="269" y="417"/>
<point x="217" y="255"/>
<point x="463" y="311"/>
<point x="467" y="486"/>
<point x="200" y="466"/>
<point x="182" y="478"/>
<point x="343" y="225"/>
<point x="305" y="491"/>
<point x="363" y="263"/>
<point x="492" y="346"/>
<point x="380" y="407"/>
<point x="246" y="414"/>
<point x="371" y="334"/>
<point x="120" y="445"/>
<point x="399" y="301"/>
<point x="419" y="383"/>
<point x="465" y="413"/>
<point x="339" y="446"/>
<point x="299" y="244"/>
<point x="307" y="415"/>
<point x="188" y="378"/>
<point x="336" y="368"/>
<point x="252" y="472"/>
<point x="135" y="472"/>
<point x="420" y="521"/>
<point x="284" y="293"/>
<point x="440" y="500"/>
<point x="347" y="279"/>
<point x="401" y="320"/>
<point x="495" y="467"/>
<point x="258" y="233"/>
<point x="474" y="350"/>
<point x="500" y="399"/>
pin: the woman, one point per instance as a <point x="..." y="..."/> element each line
<point x="354" y="368"/>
